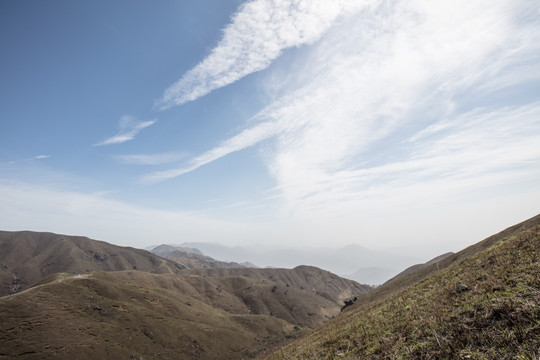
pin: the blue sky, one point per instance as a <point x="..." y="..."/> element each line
<point x="405" y="125"/>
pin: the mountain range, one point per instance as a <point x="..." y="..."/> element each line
<point x="72" y="297"/>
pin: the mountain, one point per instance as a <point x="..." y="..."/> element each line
<point x="164" y="250"/>
<point x="193" y="258"/>
<point x="344" y="260"/>
<point x="163" y="312"/>
<point x="482" y="302"/>
<point x="27" y="257"/>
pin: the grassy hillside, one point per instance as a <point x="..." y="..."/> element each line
<point x="155" y="316"/>
<point x="26" y="257"/>
<point x="123" y="315"/>
<point x="483" y="303"/>
<point x="159" y="312"/>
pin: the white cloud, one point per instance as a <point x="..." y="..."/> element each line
<point x="375" y="115"/>
<point x="258" y="33"/>
<point x="129" y="127"/>
<point x="395" y="70"/>
<point x="39" y="157"/>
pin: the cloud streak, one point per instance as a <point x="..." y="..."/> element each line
<point x="241" y="141"/>
<point x="129" y="127"/>
<point x="37" y="157"/>
<point x="258" y="33"/>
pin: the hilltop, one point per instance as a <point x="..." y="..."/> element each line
<point x="482" y="302"/>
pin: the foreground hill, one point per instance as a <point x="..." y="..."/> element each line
<point x="155" y="316"/>
<point x="27" y="257"/>
<point x="123" y="315"/>
<point x="483" y="302"/>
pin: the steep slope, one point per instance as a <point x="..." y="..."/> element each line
<point x="485" y="303"/>
<point x="27" y="257"/>
<point x="191" y="257"/>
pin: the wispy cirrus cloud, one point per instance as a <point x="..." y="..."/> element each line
<point x="362" y="117"/>
<point x="241" y="141"/>
<point x="258" y="33"/>
<point x="128" y="128"/>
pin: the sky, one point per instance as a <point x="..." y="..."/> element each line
<point x="411" y="126"/>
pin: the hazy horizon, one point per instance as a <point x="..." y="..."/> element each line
<point x="410" y="126"/>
